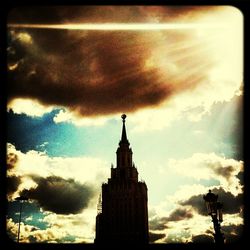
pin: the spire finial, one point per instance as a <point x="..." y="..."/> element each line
<point x="123" y="117"/>
<point x="124" y="135"/>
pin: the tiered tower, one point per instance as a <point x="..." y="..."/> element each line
<point x="122" y="210"/>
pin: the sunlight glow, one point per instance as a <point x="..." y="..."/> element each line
<point x="120" y="26"/>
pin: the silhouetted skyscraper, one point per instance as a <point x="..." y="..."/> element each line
<point x="122" y="210"/>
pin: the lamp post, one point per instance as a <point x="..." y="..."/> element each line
<point x="20" y="199"/>
<point x="214" y="209"/>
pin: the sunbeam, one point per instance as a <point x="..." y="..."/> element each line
<point x="120" y="26"/>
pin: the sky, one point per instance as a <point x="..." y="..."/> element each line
<point x="177" y="73"/>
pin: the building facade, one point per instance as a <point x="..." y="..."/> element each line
<point x="122" y="210"/>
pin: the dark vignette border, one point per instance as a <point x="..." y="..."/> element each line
<point x="242" y="5"/>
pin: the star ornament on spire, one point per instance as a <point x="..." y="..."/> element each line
<point x="123" y="117"/>
<point x="124" y="134"/>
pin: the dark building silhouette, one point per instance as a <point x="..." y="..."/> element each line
<point x="122" y="210"/>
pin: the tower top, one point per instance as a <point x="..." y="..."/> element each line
<point x="124" y="138"/>
<point x="123" y="117"/>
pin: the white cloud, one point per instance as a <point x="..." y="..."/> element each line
<point x="79" y="226"/>
<point x="24" y="38"/>
<point x="89" y="170"/>
<point x="26" y="231"/>
<point x="192" y="105"/>
<point x="82" y="169"/>
<point x="232" y="219"/>
<point x="184" y="192"/>
<point x="70" y="117"/>
<point x="182" y="231"/>
<point x="198" y="167"/>
<point x="30" y="218"/>
<point x="210" y="166"/>
<point x="28" y="107"/>
<point x="223" y="79"/>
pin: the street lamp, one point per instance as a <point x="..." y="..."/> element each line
<point x="21" y="199"/>
<point x="214" y="209"/>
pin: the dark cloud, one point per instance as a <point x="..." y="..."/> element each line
<point x="100" y="76"/>
<point x="60" y="14"/>
<point x="235" y="136"/>
<point x="12" y="160"/>
<point x="231" y="204"/>
<point x="158" y="223"/>
<point x="232" y="134"/>
<point x="29" y="14"/>
<point x="197" y="203"/>
<point x="232" y="233"/>
<point x="180" y="214"/>
<point x="226" y="172"/>
<point x="95" y="73"/>
<point x="13" y="183"/>
<point x="155" y="236"/>
<point x="161" y="223"/>
<point x="61" y="196"/>
<point x="202" y="238"/>
<point x="240" y="176"/>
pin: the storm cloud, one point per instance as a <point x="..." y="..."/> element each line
<point x="58" y="195"/>
<point x="231" y="204"/>
<point x="12" y="160"/>
<point x="13" y="180"/>
<point x="155" y="236"/>
<point x="180" y="214"/>
<point x="187" y="211"/>
<point x="202" y="238"/>
<point x="13" y="183"/>
<point x="232" y="233"/>
<point x="60" y="14"/>
<point x="158" y="223"/>
<point x="97" y="73"/>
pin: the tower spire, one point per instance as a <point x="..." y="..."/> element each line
<point x="124" y="152"/>
<point x="124" y="138"/>
<point x="122" y="214"/>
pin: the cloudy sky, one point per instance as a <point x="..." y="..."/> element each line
<point x="177" y="72"/>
